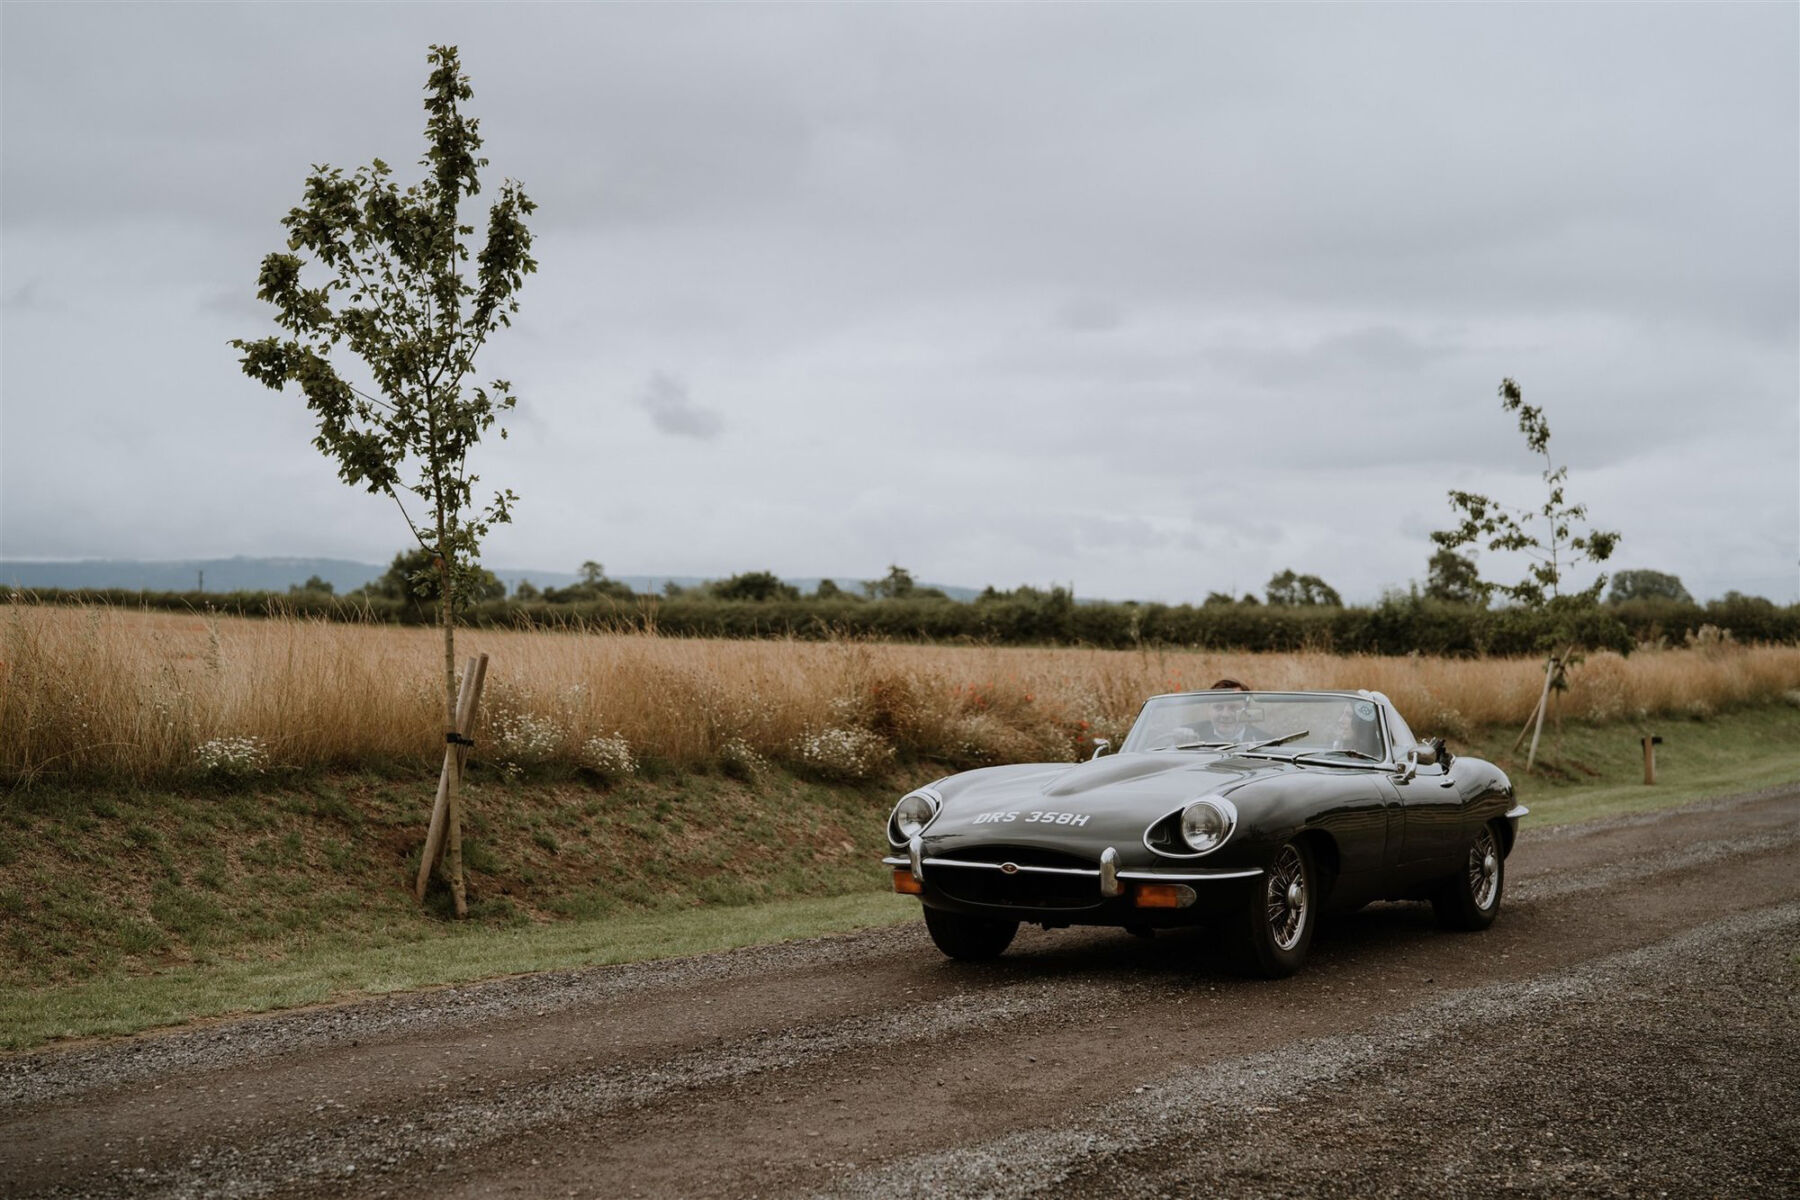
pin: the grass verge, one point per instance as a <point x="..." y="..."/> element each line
<point x="1598" y="770"/>
<point x="334" y="970"/>
<point x="124" y="913"/>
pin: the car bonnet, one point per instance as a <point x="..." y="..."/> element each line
<point x="1119" y="795"/>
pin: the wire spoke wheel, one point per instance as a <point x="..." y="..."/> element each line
<point x="1286" y="899"/>
<point x="1469" y="898"/>
<point x="1484" y="869"/>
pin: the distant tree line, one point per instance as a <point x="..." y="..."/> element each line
<point x="1642" y="607"/>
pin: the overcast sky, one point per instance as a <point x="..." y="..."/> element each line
<point x="1157" y="300"/>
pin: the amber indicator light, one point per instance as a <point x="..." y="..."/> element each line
<point x="1157" y="895"/>
<point x="905" y="883"/>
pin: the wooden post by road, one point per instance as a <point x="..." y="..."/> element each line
<point x="446" y="810"/>
<point x="1650" y="745"/>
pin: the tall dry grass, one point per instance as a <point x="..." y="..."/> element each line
<point x="116" y="694"/>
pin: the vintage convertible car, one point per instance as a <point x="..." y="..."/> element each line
<point x="1250" y="811"/>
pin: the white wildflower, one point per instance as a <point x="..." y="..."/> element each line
<point x="232" y="757"/>
<point x="523" y="738"/>
<point x="741" y="760"/>
<point x="610" y="756"/>
<point x="844" y="753"/>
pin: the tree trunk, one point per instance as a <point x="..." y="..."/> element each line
<point x="447" y="612"/>
<point x="447" y="619"/>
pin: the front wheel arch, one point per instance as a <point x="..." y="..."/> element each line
<point x="1506" y="833"/>
<point x="1325" y="860"/>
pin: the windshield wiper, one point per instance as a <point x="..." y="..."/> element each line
<point x="1197" y="746"/>
<point x="1279" y="741"/>
<point x="1316" y="755"/>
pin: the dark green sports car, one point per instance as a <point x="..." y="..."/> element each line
<point x="1250" y="811"/>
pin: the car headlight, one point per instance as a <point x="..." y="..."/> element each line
<point x="913" y="814"/>
<point x="1205" y="824"/>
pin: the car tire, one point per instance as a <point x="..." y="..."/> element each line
<point x="1275" y="929"/>
<point x="1470" y="899"/>
<point x="969" y="939"/>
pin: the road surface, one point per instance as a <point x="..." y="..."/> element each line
<point x="1630" y="1026"/>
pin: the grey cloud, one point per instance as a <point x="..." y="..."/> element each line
<point x="673" y="410"/>
<point x="1022" y="290"/>
<point x="28" y="296"/>
<point x="1376" y="349"/>
<point x="1089" y="314"/>
<point x="238" y="303"/>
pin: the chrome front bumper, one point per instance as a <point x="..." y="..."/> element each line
<point x="1108" y="879"/>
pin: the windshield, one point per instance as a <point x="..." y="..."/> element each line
<point x="1342" y="725"/>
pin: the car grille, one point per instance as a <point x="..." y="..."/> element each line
<point x="1027" y="889"/>
<point x="1025" y="856"/>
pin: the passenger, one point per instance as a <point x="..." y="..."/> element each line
<point x="1355" y="732"/>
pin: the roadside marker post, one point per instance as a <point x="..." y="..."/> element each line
<point x="1650" y="745"/>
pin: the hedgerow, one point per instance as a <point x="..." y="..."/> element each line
<point x="1397" y="625"/>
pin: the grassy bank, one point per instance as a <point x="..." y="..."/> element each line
<point x="99" y="883"/>
<point x="125" y="910"/>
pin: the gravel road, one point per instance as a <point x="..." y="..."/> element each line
<point x="1629" y="1027"/>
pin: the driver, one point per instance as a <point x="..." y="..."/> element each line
<point x="1228" y="723"/>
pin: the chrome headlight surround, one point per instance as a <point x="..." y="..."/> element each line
<point x="913" y="815"/>
<point x="1194" y="830"/>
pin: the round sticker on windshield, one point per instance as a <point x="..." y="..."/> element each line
<point x="1364" y="711"/>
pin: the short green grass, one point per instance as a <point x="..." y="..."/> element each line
<point x="120" y="913"/>
<point x="1598" y="771"/>
<point x="332" y="968"/>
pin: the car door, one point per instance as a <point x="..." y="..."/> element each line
<point x="1431" y="807"/>
<point x="1432" y="816"/>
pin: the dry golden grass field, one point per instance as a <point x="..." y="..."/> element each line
<point x="112" y="693"/>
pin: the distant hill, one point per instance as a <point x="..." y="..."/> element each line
<point x="238" y="574"/>
<point x="243" y="574"/>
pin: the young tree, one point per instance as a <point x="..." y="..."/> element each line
<point x="1555" y="539"/>
<point x="383" y="273"/>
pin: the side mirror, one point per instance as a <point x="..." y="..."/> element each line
<point x="1101" y="746"/>
<point x="1425" y="753"/>
<point x="1410" y="767"/>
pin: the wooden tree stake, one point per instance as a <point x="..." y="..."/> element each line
<point x="1543" y="703"/>
<point x="1650" y="745"/>
<point x="446" y="810"/>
